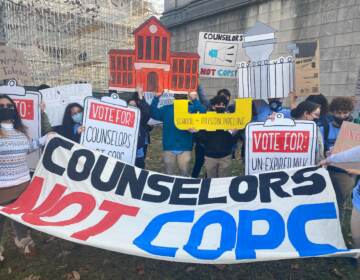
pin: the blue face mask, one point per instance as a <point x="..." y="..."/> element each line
<point x="77" y="118"/>
<point x="275" y="105"/>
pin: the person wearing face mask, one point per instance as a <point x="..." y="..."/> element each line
<point x="72" y="122"/>
<point x="15" y="144"/>
<point x="310" y="111"/>
<point x="218" y="144"/>
<point x="263" y="110"/>
<point x="341" y="109"/>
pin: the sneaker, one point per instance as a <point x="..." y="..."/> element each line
<point x="26" y="245"/>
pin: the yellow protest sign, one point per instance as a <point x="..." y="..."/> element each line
<point x="212" y="121"/>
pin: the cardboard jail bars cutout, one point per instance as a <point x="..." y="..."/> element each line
<point x="86" y="197"/>
<point x="57" y="98"/>
<point x="262" y="78"/>
<point x="279" y="144"/>
<point x="219" y="54"/>
<point x="28" y="106"/>
<point x="111" y="127"/>
<point x="212" y="121"/>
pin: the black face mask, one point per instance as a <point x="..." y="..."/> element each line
<point x="339" y="121"/>
<point x="7" y="114"/>
<point x="316" y="120"/>
<point x="220" y="109"/>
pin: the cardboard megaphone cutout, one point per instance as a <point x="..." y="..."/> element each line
<point x="212" y="121"/>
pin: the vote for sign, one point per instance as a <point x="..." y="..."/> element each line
<point x="89" y="198"/>
<point x="111" y="129"/>
<point x="279" y="144"/>
<point x="28" y="107"/>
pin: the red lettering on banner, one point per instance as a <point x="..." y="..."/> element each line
<point x="25" y="108"/>
<point x="86" y="202"/>
<point x="281" y="141"/>
<point x="55" y="203"/>
<point x="111" y="114"/>
<point x="114" y="213"/>
<point x="207" y="72"/>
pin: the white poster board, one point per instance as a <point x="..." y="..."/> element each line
<point x="111" y="128"/>
<point x="57" y="98"/>
<point x="279" y="144"/>
<point x="165" y="99"/>
<point x="219" y="54"/>
<point x="28" y="106"/>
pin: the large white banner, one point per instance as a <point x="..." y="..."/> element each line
<point x="279" y="144"/>
<point x="89" y="198"/>
<point x="28" y="106"/>
<point x="57" y="98"/>
<point x="219" y="54"/>
<point x="111" y="128"/>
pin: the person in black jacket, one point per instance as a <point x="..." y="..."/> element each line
<point x="218" y="144"/>
<point x="137" y="100"/>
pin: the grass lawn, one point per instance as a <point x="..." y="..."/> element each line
<point x="59" y="259"/>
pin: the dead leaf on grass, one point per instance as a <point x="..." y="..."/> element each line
<point x="63" y="254"/>
<point x="140" y="269"/>
<point x="338" y="273"/>
<point x="9" y="270"/>
<point x="190" y="268"/>
<point x="74" y="275"/>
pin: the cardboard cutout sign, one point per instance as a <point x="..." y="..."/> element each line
<point x="307" y="69"/>
<point x="13" y="66"/>
<point x="349" y="137"/>
<point x="28" y="106"/>
<point x="212" y="121"/>
<point x="219" y="54"/>
<point x="279" y="144"/>
<point x="151" y="65"/>
<point x="57" y="98"/>
<point x="99" y="201"/>
<point x="111" y="128"/>
<point x="262" y="78"/>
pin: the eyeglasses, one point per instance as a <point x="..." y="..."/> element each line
<point x="8" y="106"/>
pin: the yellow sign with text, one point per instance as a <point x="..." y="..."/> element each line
<point x="212" y="121"/>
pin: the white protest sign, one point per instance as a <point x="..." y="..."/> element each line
<point x="28" y="106"/>
<point x="219" y="54"/>
<point x="279" y="144"/>
<point x="99" y="201"/>
<point x="57" y="98"/>
<point x="111" y="128"/>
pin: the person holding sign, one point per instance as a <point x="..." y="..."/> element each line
<point x="348" y="156"/>
<point x="341" y="109"/>
<point x="72" y="122"/>
<point x="310" y="111"/>
<point x="14" y="171"/>
<point x="177" y="144"/>
<point x="218" y="144"/>
<point x="138" y="100"/>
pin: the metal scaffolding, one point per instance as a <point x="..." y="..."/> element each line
<point x="67" y="41"/>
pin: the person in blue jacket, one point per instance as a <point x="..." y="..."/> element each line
<point x="177" y="144"/>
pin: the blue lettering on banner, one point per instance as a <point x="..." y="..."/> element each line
<point x="297" y="223"/>
<point x="247" y="242"/>
<point x="242" y="238"/>
<point x="143" y="241"/>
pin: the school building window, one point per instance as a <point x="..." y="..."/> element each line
<point x="183" y="74"/>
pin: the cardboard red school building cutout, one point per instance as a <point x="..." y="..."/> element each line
<point x="152" y="65"/>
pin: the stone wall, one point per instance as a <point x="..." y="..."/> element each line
<point x="335" y="23"/>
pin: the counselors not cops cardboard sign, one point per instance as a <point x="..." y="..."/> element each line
<point x="279" y="144"/>
<point x="111" y="128"/>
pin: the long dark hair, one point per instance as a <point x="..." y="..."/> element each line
<point x="304" y="107"/>
<point x="68" y="123"/>
<point x="18" y="124"/>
